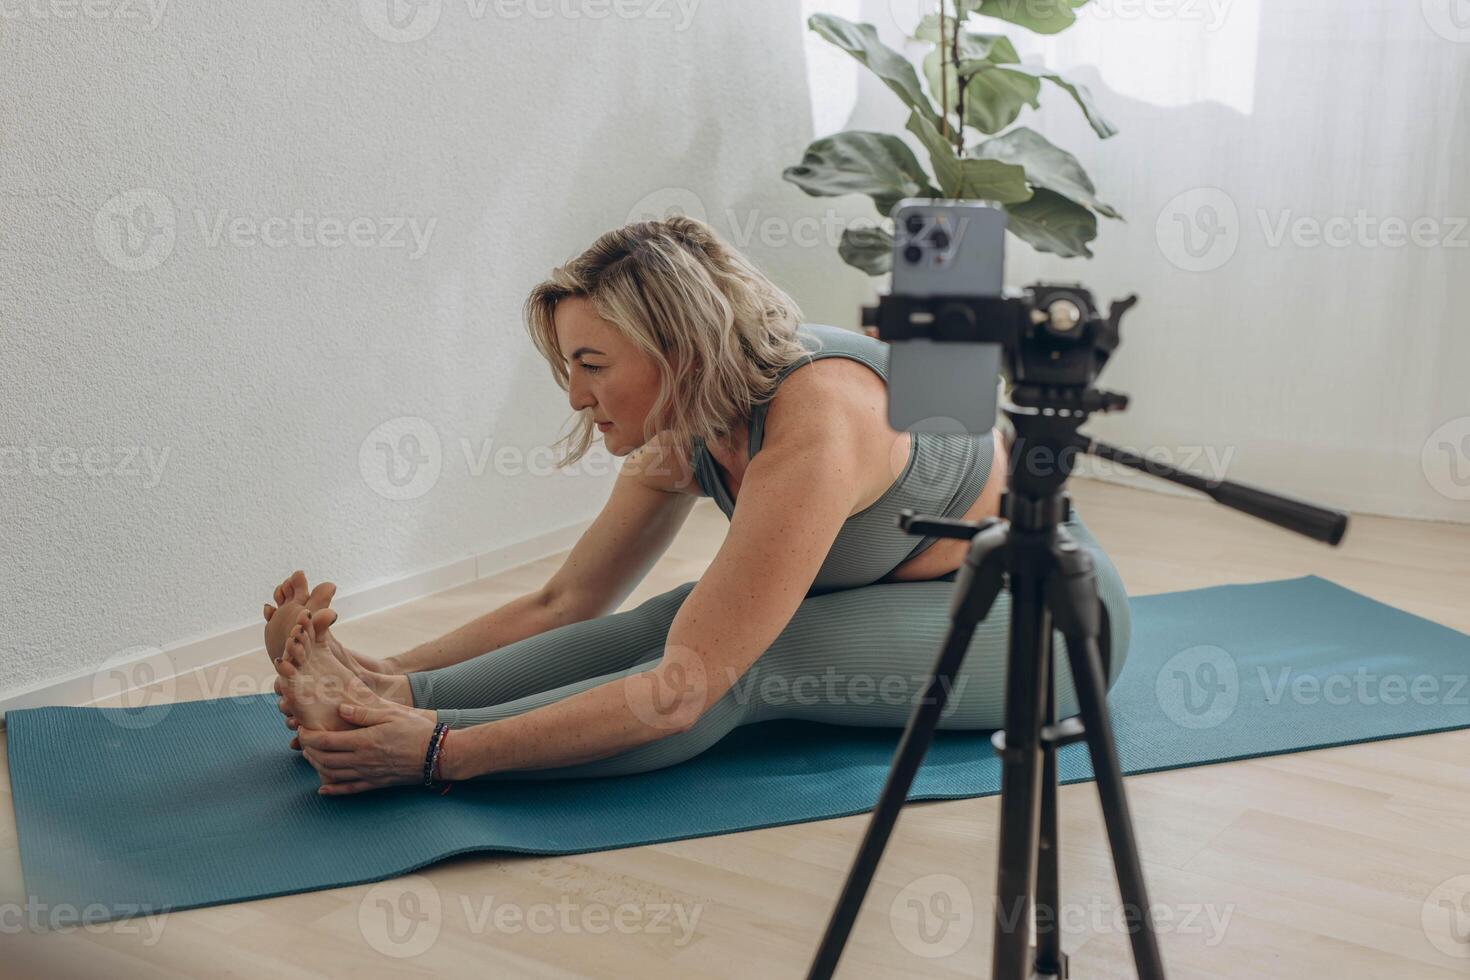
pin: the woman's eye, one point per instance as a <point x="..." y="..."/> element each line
<point x="593" y="368"/>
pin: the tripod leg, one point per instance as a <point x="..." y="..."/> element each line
<point x="975" y="591"/>
<point x="1050" y="960"/>
<point x="1021" y="767"/>
<point x="1072" y="595"/>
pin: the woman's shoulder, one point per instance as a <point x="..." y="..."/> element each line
<point x="662" y="464"/>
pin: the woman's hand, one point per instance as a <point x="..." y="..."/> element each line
<point x="388" y="751"/>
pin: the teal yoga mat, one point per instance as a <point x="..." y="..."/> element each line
<point x="124" y="812"/>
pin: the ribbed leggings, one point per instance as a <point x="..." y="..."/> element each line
<point x="858" y="656"/>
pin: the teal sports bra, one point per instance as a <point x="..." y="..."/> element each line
<point x="944" y="475"/>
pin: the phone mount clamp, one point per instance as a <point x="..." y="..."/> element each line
<point x="1054" y="344"/>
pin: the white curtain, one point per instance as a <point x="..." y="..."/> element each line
<point x="1294" y="178"/>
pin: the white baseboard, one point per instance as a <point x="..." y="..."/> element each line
<point x="188" y="655"/>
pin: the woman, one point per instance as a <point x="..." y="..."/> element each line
<point x="696" y="368"/>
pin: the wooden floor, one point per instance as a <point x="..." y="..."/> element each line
<point x="1318" y="864"/>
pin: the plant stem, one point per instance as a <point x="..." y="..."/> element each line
<point x="959" y="114"/>
<point x="943" y="79"/>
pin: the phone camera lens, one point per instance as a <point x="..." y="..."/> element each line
<point x="912" y="254"/>
<point x="914" y="224"/>
<point x="940" y="238"/>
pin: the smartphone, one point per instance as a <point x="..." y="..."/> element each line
<point x="945" y="248"/>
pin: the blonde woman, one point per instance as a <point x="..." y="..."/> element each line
<point x="697" y="370"/>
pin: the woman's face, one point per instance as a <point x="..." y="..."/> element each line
<point x="608" y="378"/>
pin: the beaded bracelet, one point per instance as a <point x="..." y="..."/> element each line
<point x="438" y="758"/>
<point x="432" y="756"/>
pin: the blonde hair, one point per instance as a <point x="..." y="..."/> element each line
<point x="673" y="288"/>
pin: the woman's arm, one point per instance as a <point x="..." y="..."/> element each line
<point x="793" y="501"/>
<point x="529" y="615"/>
<point x="633" y="530"/>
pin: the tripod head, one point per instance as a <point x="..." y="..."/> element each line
<point x="1054" y="344"/>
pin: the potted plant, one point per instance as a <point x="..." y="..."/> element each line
<point x="975" y="82"/>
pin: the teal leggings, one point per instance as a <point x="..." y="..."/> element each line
<point x="859" y="656"/>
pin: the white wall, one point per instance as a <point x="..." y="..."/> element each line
<point x="1335" y="368"/>
<point x="187" y="414"/>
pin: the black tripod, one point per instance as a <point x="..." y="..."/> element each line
<point x="1052" y="585"/>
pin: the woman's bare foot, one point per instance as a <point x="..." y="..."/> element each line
<point x="292" y="596"/>
<point x="315" y="681"/>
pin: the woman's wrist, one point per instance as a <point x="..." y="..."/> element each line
<point x="456" y="758"/>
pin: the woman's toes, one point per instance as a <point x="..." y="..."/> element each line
<point x="321" y="596"/>
<point x="321" y="621"/>
<point x="293" y="589"/>
<point x="270" y="611"/>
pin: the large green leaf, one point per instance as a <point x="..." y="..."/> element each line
<point x="869" y="249"/>
<point x="1051" y="223"/>
<point x="1041" y="16"/>
<point x="1047" y="165"/>
<point x="861" y="41"/>
<point x="877" y="164"/>
<point x="990" y="180"/>
<point x="1079" y="94"/>
<point x="993" y="99"/>
<point x="974" y="46"/>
